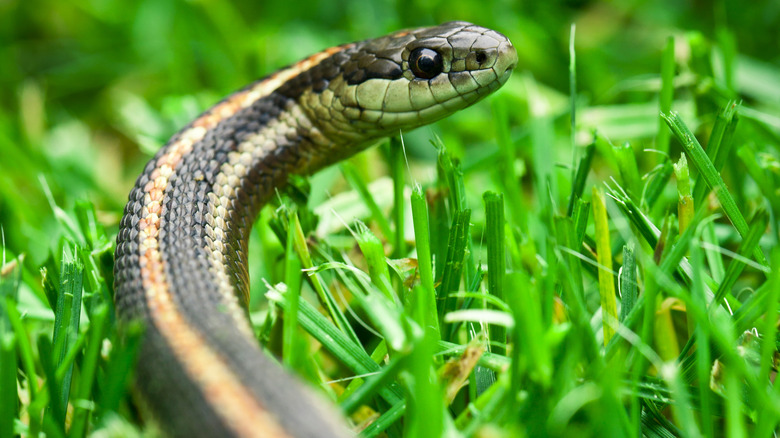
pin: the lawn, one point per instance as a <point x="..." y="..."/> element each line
<point x="591" y="251"/>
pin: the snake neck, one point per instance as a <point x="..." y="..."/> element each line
<point x="200" y="194"/>
<point x="182" y="250"/>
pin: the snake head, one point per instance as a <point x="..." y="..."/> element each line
<point x="410" y="78"/>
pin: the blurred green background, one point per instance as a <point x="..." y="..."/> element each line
<point x="90" y="88"/>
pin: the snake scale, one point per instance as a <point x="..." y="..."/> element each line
<point x="181" y="249"/>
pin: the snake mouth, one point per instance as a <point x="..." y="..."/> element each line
<point x="506" y="61"/>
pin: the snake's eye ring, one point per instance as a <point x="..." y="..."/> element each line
<point x="425" y="63"/>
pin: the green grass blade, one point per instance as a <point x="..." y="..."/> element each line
<point x="374" y="253"/>
<point x="8" y="393"/>
<point x="291" y="349"/>
<point x="326" y="298"/>
<point x="452" y="174"/>
<point x="572" y="97"/>
<point x="682" y="409"/>
<point x="350" y="354"/>
<point x="351" y="175"/>
<point x="769" y="332"/>
<point x="702" y="338"/>
<point x="422" y="238"/>
<point x="578" y="185"/>
<point x="496" y="258"/>
<point x="54" y="418"/>
<point x="82" y="397"/>
<point x="397" y="170"/>
<point x="629" y="291"/>
<point x="667" y="94"/>
<point x="25" y="348"/>
<point x="384" y="421"/>
<point x="685" y="205"/>
<point x="711" y="176"/>
<point x="456" y="251"/>
<point x="115" y="384"/>
<point x="372" y="384"/>
<point x="748" y="246"/>
<point x="659" y="178"/>
<point x="67" y="317"/>
<point x="528" y="334"/>
<point x="606" y="281"/>
<point x="629" y="170"/>
<point x="719" y="145"/>
<point x="714" y="259"/>
<point x="426" y="411"/>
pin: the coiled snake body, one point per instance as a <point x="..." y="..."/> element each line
<point x="182" y="244"/>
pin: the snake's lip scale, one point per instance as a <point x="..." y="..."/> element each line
<point x="181" y="249"/>
<point x="507" y="61"/>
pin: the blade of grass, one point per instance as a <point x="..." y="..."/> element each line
<point x="702" y="337"/>
<point x="291" y="347"/>
<point x="719" y="145"/>
<point x="397" y="167"/>
<point x="529" y="340"/>
<point x="422" y="238"/>
<point x="488" y="407"/>
<point x="578" y="186"/>
<point x="25" y="348"/>
<point x="8" y="394"/>
<point x="711" y="176"/>
<point x="714" y="260"/>
<point x="374" y="253"/>
<point x="384" y="421"/>
<point x="325" y="297"/>
<point x="488" y="360"/>
<point x="384" y="314"/>
<point x="350" y="354"/>
<point x="120" y="364"/>
<point x="54" y="418"/>
<point x="748" y="246"/>
<point x="351" y="175"/>
<point x="735" y="423"/>
<point x="494" y="228"/>
<point x="456" y="251"/>
<point x="628" y="284"/>
<point x="372" y="384"/>
<point x="769" y="332"/>
<point x="573" y="294"/>
<point x="667" y="94"/>
<point x="604" y="251"/>
<point x="67" y="317"/>
<point x="88" y="369"/>
<point x="573" y="101"/>
<point x="659" y="178"/>
<point x="426" y="411"/>
<point x="629" y="170"/>
<point x="682" y="409"/>
<point x="506" y="175"/>
<point x="685" y="205"/>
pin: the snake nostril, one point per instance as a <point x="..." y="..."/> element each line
<point x="480" y="57"/>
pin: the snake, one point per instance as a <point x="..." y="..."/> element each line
<point x="182" y="244"/>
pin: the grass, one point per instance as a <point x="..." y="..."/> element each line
<point x="592" y="252"/>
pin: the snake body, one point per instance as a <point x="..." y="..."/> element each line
<point x="182" y="244"/>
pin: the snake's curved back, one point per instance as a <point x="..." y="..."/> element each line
<point x="182" y="244"/>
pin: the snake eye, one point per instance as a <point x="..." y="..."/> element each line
<point x="425" y="63"/>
